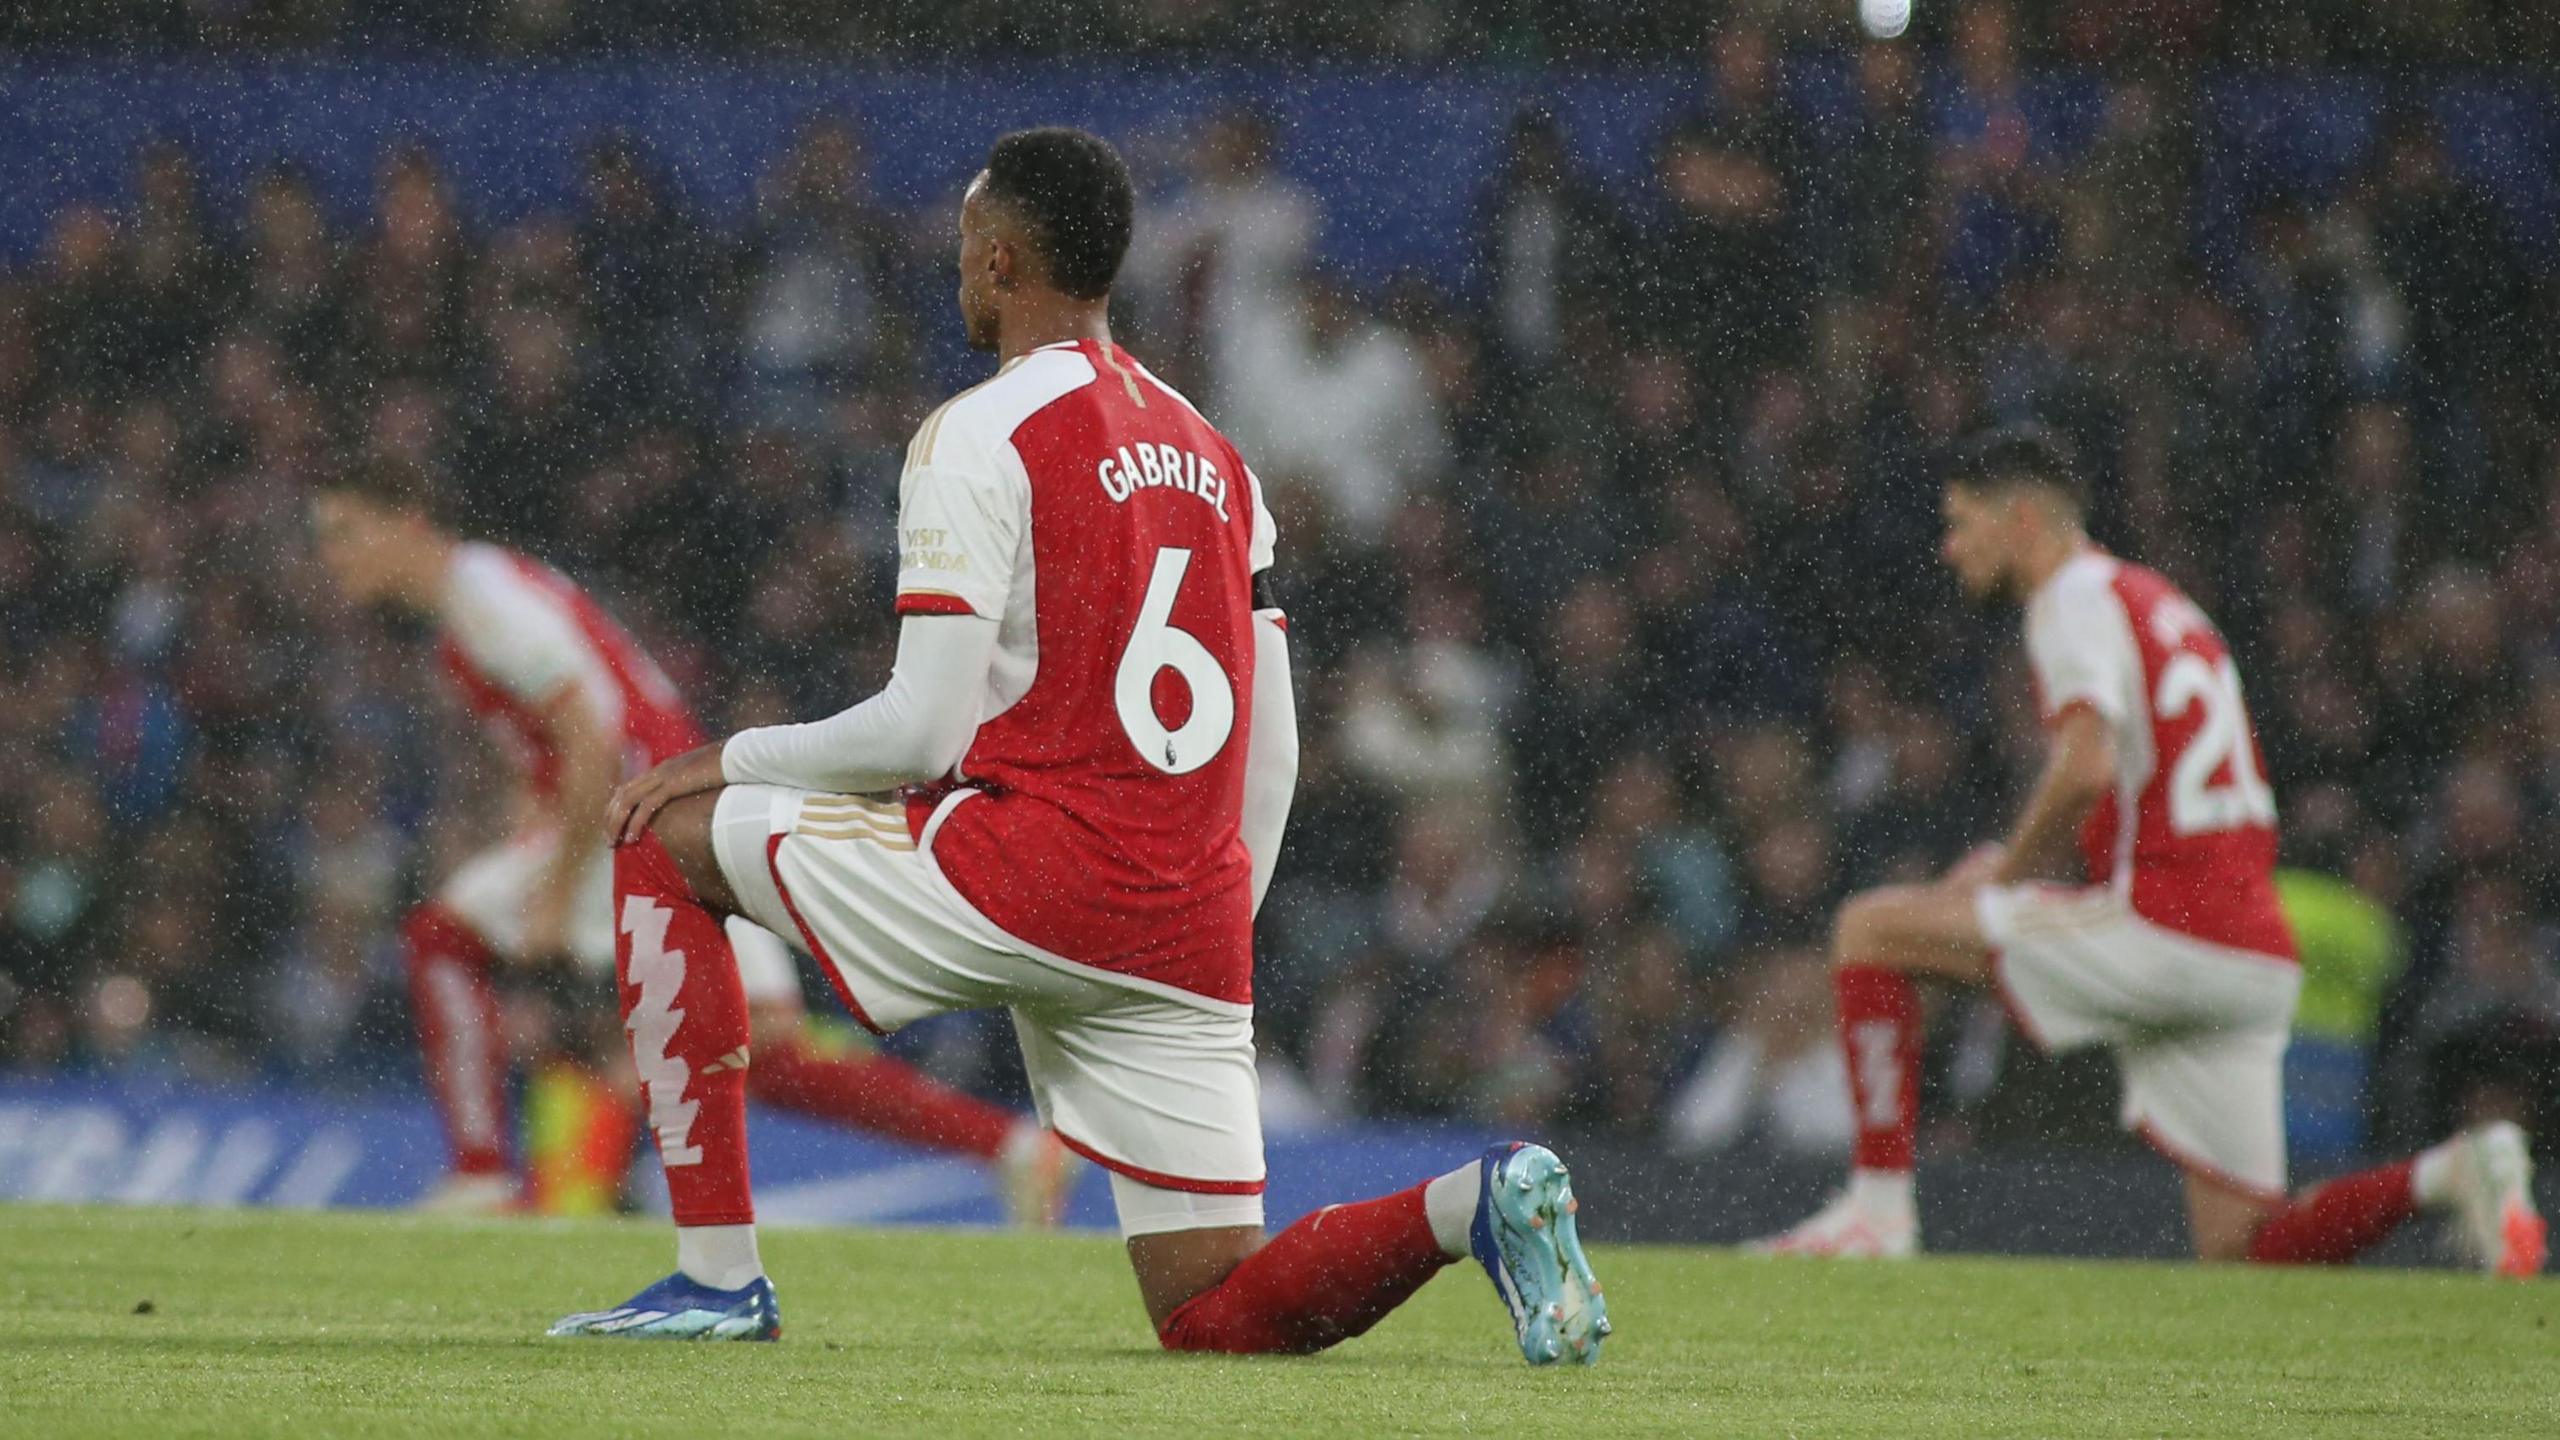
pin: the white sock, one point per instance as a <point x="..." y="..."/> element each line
<point x="2431" y="1174"/>
<point x="720" y="1256"/>
<point x="1450" y="1201"/>
<point x="1883" y="1192"/>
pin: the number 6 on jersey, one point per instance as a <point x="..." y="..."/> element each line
<point x="1157" y="645"/>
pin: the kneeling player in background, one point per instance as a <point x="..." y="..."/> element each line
<point x="580" y="706"/>
<point x="1101" y="706"/>
<point x="2166" y="945"/>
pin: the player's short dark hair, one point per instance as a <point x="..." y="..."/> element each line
<point x="390" y="482"/>
<point x="1073" y="192"/>
<point x="2021" y="456"/>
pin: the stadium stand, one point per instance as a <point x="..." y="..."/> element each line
<point x="1610" y="554"/>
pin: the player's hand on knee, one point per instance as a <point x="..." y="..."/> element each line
<point x="637" y="801"/>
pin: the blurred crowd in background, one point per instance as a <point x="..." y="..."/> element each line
<point x="1623" y="652"/>
<point x="2254" y="31"/>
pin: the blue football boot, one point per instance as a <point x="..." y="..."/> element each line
<point x="1524" y="1236"/>
<point x="682" y="1308"/>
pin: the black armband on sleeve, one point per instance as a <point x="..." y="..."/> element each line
<point x="1263" y="599"/>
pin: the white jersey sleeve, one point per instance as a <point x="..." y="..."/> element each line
<point x="2081" y="645"/>
<point x="914" y="730"/>
<point x="516" y="633"/>
<point x="964" y="513"/>
<point x="1266" y="531"/>
<point x="1271" y="754"/>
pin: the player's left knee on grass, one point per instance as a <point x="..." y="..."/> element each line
<point x="1323" y="1280"/>
<point x="1177" y="1267"/>
<point x="1182" y="1244"/>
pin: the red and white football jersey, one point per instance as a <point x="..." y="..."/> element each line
<point x="517" y="632"/>
<point x="2189" y="834"/>
<point x="1114" y="537"/>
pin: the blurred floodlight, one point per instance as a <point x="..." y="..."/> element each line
<point x="1885" y="19"/>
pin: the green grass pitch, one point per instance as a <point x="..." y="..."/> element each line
<point x="133" y="1323"/>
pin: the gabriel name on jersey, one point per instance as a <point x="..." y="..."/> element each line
<point x="1163" y="466"/>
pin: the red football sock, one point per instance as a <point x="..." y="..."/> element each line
<point x="1880" y="1030"/>
<point x="2333" y="1223"/>
<point x="876" y="1093"/>
<point x="686" y="1012"/>
<point x="1321" y="1281"/>
<point x="458" y="1039"/>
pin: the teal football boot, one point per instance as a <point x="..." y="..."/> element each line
<point x="1524" y="1236"/>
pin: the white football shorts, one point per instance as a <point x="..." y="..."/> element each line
<point x="491" y="891"/>
<point x="2199" y="1030"/>
<point x="1151" y="1083"/>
